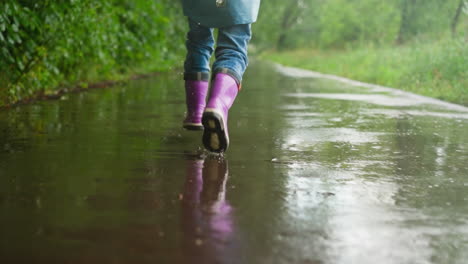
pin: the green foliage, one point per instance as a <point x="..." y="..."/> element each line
<point x="344" y="23"/>
<point x="295" y="21"/>
<point x="422" y="17"/>
<point x="48" y="44"/>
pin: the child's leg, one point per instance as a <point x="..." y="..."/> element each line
<point x="229" y="67"/>
<point x="200" y="43"/>
<point x="197" y="71"/>
<point x="231" y="51"/>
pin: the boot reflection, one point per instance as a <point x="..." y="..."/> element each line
<point x="206" y="215"/>
<point x="213" y="193"/>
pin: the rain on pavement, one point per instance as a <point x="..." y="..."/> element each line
<point x="320" y="170"/>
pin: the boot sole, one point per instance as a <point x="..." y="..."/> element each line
<point x="214" y="138"/>
<point x="193" y="126"/>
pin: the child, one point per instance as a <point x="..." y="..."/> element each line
<point x="233" y="19"/>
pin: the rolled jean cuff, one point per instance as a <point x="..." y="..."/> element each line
<point x="197" y="76"/>
<point x="237" y="77"/>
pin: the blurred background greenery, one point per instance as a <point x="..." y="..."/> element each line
<point x="415" y="45"/>
<point x="350" y="23"/>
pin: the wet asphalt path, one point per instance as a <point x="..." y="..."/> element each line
<point x="319" y="171"/>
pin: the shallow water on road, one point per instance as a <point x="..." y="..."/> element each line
<point x="318" y="171"/>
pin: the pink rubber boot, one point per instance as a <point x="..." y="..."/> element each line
<point x="195" y="96"/>
<point x="223" y="93"/>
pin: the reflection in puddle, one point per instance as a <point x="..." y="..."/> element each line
<point x="378" y="99"/>
<point x="207" y="219"/>
<point x="400" y="113"/>
<point x="317" y="135"/>
<point x="351" y="216"/>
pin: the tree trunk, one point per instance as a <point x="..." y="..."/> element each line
<point x="290" y="16"/>
<point x="456" y="18"/>
<point x="404" y="23"/>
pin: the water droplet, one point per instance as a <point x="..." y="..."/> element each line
<point x="198" y="242"/>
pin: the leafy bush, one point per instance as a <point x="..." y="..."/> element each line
<point x="48" y="44"/>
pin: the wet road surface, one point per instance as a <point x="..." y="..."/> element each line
<point x="319" y="171"/>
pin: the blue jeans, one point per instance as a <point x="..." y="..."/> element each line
<point x="231" y="51"/>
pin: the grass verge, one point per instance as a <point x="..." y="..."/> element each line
<point x="93" y="79"/>
<point x="436" y="69"/>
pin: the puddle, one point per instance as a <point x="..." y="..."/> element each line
<point x="358" y="173"/>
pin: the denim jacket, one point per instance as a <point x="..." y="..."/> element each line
<point x="221" y="13"/>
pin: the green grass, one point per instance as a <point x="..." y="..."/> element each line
<point x="437" y="69"/>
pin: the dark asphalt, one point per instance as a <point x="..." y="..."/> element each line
<point x="318" y="171"/>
